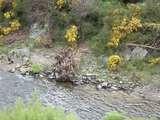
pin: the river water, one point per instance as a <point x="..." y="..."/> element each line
<point x="85" y="101"/>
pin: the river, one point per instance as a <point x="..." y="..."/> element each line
<point x="85" y="101"/>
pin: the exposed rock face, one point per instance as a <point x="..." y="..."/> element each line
<point x="40" y="36"/>
<point x="138" y="53"/>
<point x="35" y="31"/>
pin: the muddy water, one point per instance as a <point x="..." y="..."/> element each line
<point x="86" y="101"/>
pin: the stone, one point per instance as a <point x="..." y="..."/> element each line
<point x="138" y="53"/>
<point x="99" y="87"/>
<point x="51" y="76"/>
<point x="12" y="70"/>
<point x="104" y="85"/>
<point x="27" y="73"/>
<point x="114" y="88"/>
<point x="41" y="76"/>
<point x="121" y="82"/>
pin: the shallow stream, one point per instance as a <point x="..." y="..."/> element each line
<point x="86" y="101"/>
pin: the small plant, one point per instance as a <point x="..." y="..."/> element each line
<point x="113" y="62"/>
<point x="37" y="68"/>
<point x="114" y="116"/>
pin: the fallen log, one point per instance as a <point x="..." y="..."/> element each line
<point x="143" y="46"/>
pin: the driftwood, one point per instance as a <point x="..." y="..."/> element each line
<point x="64" y="68"/>
<point x="143" y="46"/>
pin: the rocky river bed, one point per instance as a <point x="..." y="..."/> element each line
<point x="87" y="102"/>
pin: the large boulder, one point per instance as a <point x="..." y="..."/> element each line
<point x="139" y="53"/>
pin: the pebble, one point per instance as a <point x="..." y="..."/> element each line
<point x="41" y="76"/>
<point x="114" y="88"/>
<point x="99" y="87"/>
<point x="104" y="85"/>
<point x="121" y="82"/>
<point x="12" y="70"/>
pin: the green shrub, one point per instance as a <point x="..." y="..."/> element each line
<point x="114" y="116"/>
<point x="19" y="10"/>
<point x="82" y="15"/>
<point x="150" y="11"/>
<point x="34" y="110"/>
<point x="150" y="19"/>
<point x="37" y="68"/>
<point x="110" y="12"/>
<point x="113" y="12"/>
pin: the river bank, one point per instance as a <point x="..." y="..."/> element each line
<point x="89" y="68"/>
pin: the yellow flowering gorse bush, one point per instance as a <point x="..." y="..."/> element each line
<point x="72" y="34"/>
<point x="59" y="3"/>
<point x="113" y="62"/>
<point x="14" y="26"/>
<point x="6" y="30"/>
<point x="122" y="30"/>
<point x="154" y="61"/>
<point x="13" y="23"/>
<point x="9" y="14"/>
<point x="127" y="26"/>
